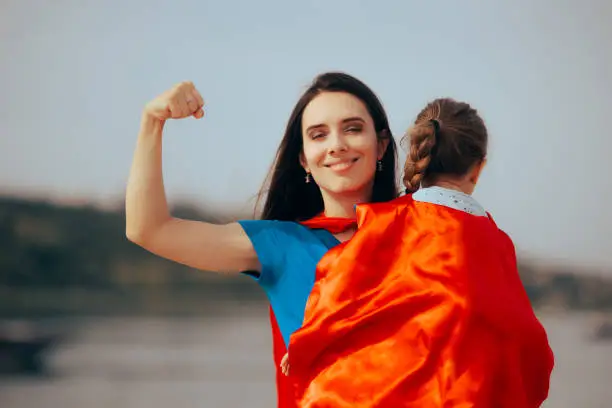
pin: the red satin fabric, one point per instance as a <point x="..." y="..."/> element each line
<point x="285" y="393"/>
<point x="334" y="225"/>
<point x="423" y="307"/>
<point x="284" y="387"/>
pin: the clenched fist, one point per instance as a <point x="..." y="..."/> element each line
<point x="178" y="102"/>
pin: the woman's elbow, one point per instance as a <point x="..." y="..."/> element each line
<point x="134" y="235"/>
<point x="137" y="234"/>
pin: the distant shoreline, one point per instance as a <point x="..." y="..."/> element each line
<point x="196" y="302"/>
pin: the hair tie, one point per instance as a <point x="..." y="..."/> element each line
<point x="436" y="125"/>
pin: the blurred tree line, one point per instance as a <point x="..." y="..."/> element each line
<point x="56" y="259"/>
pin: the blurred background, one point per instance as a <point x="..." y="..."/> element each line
<point x="89" y="320"/>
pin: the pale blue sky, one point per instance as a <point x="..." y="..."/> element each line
<point x="76" y="74"/>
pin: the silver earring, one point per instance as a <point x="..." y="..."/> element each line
<point x="307" y="179"/>
<point x="379" y="165"/>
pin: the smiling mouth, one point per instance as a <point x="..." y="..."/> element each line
<point x="343" y="165"/>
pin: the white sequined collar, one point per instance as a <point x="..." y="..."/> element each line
<point x="450" y="198"/>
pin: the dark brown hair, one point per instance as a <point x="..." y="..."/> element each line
<point x="289" y="198"/>
<point x="448" y="137"/>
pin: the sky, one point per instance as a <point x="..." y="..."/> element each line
<point x="75" y="76"/>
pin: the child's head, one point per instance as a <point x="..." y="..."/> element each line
<point x="448" y="146"/>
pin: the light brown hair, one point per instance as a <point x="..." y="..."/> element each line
<point x="448" y="137"/>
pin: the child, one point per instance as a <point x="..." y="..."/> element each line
<point x="424" y="306"/>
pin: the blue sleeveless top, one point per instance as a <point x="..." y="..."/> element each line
<point x="288" y="253"/>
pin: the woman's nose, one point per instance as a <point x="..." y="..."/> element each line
<point x="337" y="142"/>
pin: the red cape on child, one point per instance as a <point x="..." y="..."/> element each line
<point x="423" y="307"/>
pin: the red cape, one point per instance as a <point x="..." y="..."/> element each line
<point x="284" y="388"/>
<point x="423" y="307"/>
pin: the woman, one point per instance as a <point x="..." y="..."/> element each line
<point x="424" y="306"/>
<point x="337" y="152"/>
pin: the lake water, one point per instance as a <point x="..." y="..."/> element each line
<point x="176" y="363"/>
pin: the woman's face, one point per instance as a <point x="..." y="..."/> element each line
<point x="341" y="146"/>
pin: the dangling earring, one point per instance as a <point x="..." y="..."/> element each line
<point x="307" y="178"/>
<point x="379" y="165"/>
